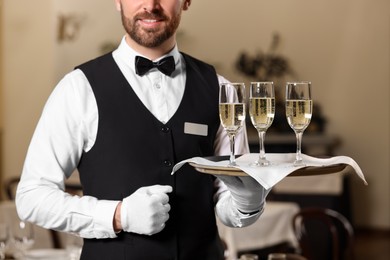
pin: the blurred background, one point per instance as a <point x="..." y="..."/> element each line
<point x="342" y="47"/>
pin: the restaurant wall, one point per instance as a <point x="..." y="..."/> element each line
<point x="341" y="46"/>
<point x="1" y="76"/>
<point x="93" y="31"/>
<point x="34" y="60"/>
<point x="1" y="95"/>
<point x="27" y="75"/>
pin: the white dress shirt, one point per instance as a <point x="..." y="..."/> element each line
<point x="68" y="127"/>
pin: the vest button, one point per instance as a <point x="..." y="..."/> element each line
<point x="167" y="163"/>
<point x="165" y="129"/>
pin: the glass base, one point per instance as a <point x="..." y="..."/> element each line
<point x="232" y="164"/>
<point x="261" y="163"/>
<point x="299" y="163"/>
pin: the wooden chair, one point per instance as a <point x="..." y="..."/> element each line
<point x="10" y="186"/>
<point x="323" y="234"/>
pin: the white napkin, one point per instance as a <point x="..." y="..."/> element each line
<point x="281" y="166"/>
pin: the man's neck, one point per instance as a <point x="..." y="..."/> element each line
<point x="152" y="53"/>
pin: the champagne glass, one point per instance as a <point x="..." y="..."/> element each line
<point x="4" y="236"/>
<point x="262" y="113"/>
<point x="232" y="112"/>
<point x="73" y="246"/>
<point x="23" y="237"/>
<point x="299" y="107"/>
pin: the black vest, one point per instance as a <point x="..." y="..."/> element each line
<point x="134" y="149"/>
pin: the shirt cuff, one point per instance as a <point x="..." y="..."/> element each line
<point x="103" y="219"/>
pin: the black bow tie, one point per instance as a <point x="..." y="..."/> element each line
<point x="143" y="65"/>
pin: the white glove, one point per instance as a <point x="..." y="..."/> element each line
<point x="248" y="196"/>
<point x="146" y="210"/>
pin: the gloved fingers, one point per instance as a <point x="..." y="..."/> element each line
<point x="247" y="194"/>
<point x="164" y="217"/>
<point x="162" y="198"/>
<point x="159" y="222"/>
<point x="166" y="208"/>
<point x="252" y="185"/>
<point x="234" y="181"/>
<point x="161" y="209"/>
<point x="241" y="182"/>
<point x="250" y="182"/>
<point x="158" y="189"/>
<point x="158" y="229"/>
<point x="146" y="210"/>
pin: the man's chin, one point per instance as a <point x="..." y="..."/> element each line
<point x="149" y="39"/>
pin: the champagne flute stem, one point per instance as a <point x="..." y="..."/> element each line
<point x="232" y="160"/>
<point x="298" y="157"/>
<point x="261" y="144"/>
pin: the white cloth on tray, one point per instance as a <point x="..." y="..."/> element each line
<point x="281" y="166"/>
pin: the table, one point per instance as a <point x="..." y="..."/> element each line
<point x="42" y="247"/>
<point x="272" y="228"/>
<point x="329" y="184"/>
<point x="327" y="191"/>
<point x="8" y="214"/>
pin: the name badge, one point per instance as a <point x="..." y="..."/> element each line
<point x="195" y="129"/>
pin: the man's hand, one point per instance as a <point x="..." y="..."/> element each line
<point x="247" y="194"/>
<point x="145" y="211"/>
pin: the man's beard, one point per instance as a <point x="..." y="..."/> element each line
<point x="149" y="37"/>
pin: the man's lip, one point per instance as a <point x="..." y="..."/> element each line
<point x="148" y="23"/>
<point x="150" y="20"/>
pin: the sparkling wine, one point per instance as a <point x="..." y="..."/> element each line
<point x="232" y="116"/>
<point x="262" y="112"/>
<point x="298" y="113"/>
